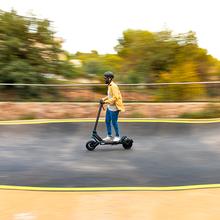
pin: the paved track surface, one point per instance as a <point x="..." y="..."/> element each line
<point x="163" y="154"/>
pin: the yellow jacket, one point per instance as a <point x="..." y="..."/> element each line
<point x="116" y="97"/>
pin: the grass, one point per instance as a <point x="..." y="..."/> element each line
<point x="28" y="116"/>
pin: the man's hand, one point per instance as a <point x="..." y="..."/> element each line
<point x="102" y="101"/>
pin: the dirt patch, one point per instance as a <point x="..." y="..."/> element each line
<point x="57" y="110"/>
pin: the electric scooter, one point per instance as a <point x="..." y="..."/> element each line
<point x="92" y="144"/>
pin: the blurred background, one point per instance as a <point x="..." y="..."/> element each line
<point x="160" y="74"/>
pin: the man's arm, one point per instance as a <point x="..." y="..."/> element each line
<point x="105" y="98"/>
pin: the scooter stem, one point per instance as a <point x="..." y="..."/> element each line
<point x="97" y="118"/>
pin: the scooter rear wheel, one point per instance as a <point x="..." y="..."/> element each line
<point x="91" y="145"/>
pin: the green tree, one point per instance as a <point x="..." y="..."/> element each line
<point x="146" y="53"/>
<point x="28" y="48"/>
<point x="95" y="64"/>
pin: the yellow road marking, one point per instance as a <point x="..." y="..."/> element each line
<point x="47" y="121"/>
<point x="78" y="189"/>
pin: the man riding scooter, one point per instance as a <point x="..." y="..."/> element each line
<point x="114" y="106"/>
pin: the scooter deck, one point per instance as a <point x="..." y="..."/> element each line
<point x="114" y="142"/>
<point x="111" y="142"/>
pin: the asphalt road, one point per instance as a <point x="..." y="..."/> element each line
<point x="163" y="154"/>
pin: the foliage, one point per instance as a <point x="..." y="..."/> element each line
<point x="94" y="64"/>
<point x="148" y="54"/>
<point x="28" y="48"/>
<point x="182" y="73"/>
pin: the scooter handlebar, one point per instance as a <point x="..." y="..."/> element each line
<point x="101" y="101"/>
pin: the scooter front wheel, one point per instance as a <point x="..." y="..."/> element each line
<point x="91" y="145"/>
<point x="127" y="143"/>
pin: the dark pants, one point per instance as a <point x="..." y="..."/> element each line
<point x="112" y="117"/>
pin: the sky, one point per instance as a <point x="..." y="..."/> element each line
<point x="87" y="25"/>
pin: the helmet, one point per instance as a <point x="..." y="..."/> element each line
<point x="109" y="74"/>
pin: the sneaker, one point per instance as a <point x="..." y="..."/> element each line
<point x="116" y="139"/>
<point x="108" y="138"/>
